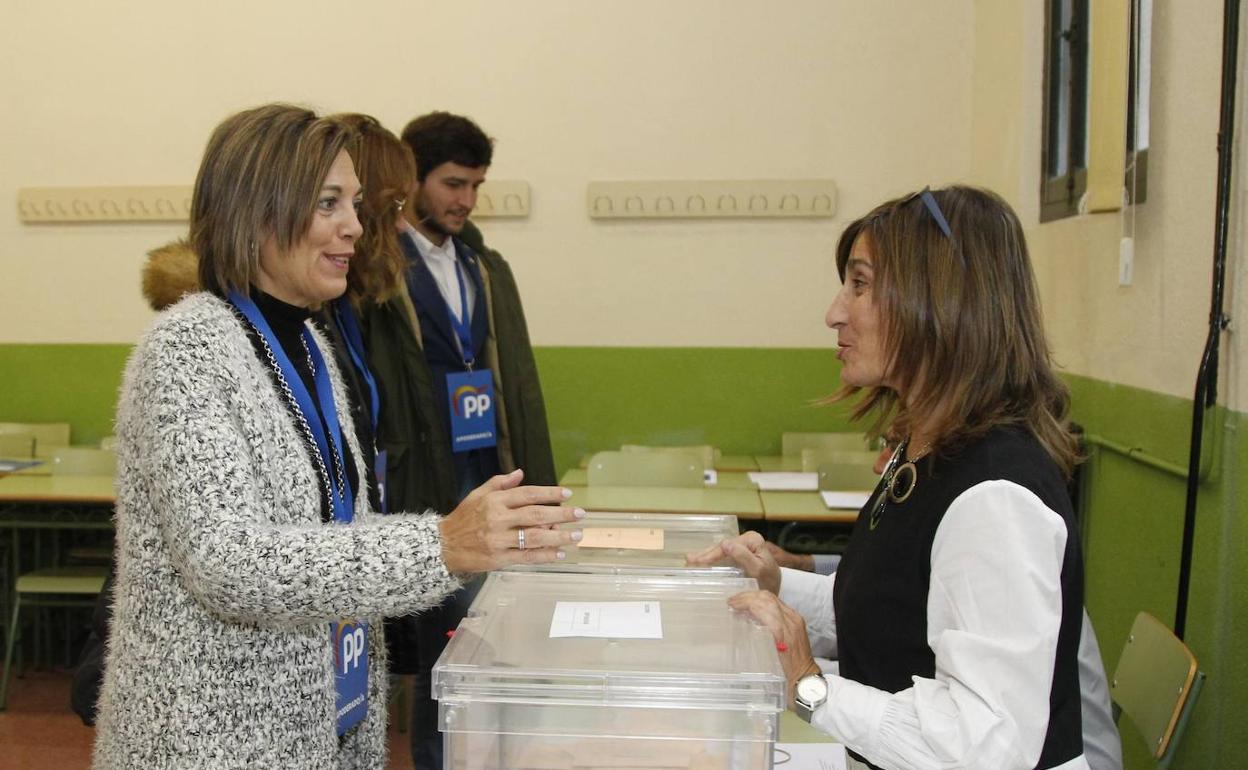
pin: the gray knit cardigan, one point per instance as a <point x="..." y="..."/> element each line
<point x="227" y="580"/>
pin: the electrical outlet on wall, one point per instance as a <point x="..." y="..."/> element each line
<point x="1126" y="260"/>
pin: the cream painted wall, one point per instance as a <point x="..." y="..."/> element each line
<point x="1150" y="334"/>
<point x="876" y="96"/>
<point x="1237" y="271"/>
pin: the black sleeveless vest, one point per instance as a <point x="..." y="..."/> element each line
<point x="881" y="589"/>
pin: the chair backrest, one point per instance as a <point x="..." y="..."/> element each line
<point x="812" y="459"/>
<point x="17" y="445"/>
<point x="84" y="461"/>
<point x="705" y="453"/>
<point x="645" y="469"/>
<point x="847" y="477"/>
<point x="792" y="444"/>
<point x="1155" y="685"/>
<point x="47" y="434"/>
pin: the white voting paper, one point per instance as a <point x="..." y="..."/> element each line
<point x="810" y="756"/>
<point x="710" y="477"/>
<point x="853" y="500"/>
<point x="785" y="481"/>
<point x="616" y="620"/>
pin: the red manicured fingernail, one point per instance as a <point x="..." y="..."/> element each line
<point x="782" y="647"/>
<point x="450" y="633"/>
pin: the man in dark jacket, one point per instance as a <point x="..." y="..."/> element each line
<point x="458" y="385"/>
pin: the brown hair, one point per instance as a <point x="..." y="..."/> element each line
<point x="442" y="137"/>
<point x="261" y="176"/>
<point x="387" y="173"/>
<point x="961" y="321"/>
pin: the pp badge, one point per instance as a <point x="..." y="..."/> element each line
<point x="350" y="672"/>
<point x="472" y="410"/>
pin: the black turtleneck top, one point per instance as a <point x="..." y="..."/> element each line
<point x="288" y="322"/>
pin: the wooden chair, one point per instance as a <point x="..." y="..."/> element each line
<point x="812" y="459"/>
<point x="792" y="444"/>
<point x="841" y="477"/>
<point x="706" y="453"/>
<point x="1156" y="685"/>
<point x="83" y="461"/>
<point x="645" y="469"/>
<point x="57" y="587"/>
<point x="66" y="586"/>
<point x="17" y="446"/>
<point x="47" y="434"/>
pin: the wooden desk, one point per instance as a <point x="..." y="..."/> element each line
<point x="724" y="463"/>
<point x="803" y="506"/>
<point x="65" y="490"/>
<point x="742" y="503"/>
<point x="43" y="503"/>
<point x="579" y="477"/>
<point x="734" y="480"/>
<point x="776" y="463"/>
<point x="793" y="729"/>
<point x="44" y="468"/>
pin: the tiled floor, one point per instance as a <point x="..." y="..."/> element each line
<point x="39" y="732"/>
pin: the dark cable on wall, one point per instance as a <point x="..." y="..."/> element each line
<point x="1207" y="375"/>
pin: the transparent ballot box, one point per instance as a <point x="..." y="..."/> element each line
<point x="643" y="543"/>
<point x="555" y="671"/>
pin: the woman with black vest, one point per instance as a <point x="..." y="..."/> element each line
<point x="957" y="608"/>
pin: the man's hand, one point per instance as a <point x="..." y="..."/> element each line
<point x="802" y="561"/>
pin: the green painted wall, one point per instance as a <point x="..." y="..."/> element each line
<point x="743" y="399"/>
<point x="1133" y="517"/>
<point x="77" y="384"/>
<point x="739" y="399"/>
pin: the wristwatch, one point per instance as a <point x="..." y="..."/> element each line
<point x="811" y="693"/>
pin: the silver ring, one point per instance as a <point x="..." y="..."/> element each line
<point x="520" y="538"/>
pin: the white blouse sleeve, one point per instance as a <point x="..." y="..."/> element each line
<point x="811" y="595"/>
<point x="993" y="612"/>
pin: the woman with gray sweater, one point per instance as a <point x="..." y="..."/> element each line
<point x="251" y="572"/>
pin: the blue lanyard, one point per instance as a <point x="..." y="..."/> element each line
<point x="341" y="500"/>
<point x="349" y="325"/>
<point x="463" y="324"/>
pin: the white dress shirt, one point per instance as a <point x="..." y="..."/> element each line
<point x="442" y="263"/>
<point x="994" y="608"/>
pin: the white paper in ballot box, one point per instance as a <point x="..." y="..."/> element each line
<point x="613" y="620"/>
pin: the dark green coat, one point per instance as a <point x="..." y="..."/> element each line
<point x="419" y="472"/>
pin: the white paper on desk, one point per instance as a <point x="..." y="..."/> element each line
<point x="854" y="500"/>
<point x="616" y="620"/>
<point x="710" y="477"/>
<point x="785" y="481"/>
<point x="809" y="756"/>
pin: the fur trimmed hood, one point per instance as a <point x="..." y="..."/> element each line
<point x="170" y="272"/>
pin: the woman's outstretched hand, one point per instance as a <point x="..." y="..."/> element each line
<point x="501" y="523"/>
<point x="749" y="552"/>
<point x="788" y="628"/>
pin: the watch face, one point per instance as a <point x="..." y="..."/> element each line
<point x="812" y="689"/>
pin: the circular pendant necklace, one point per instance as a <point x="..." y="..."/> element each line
<point x="899" y="480"/>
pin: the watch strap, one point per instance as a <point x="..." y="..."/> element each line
<point x="806" y="710"/>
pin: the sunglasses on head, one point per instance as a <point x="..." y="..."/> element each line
<point x="929" y="201"/>
<point x="933" y="208"/>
